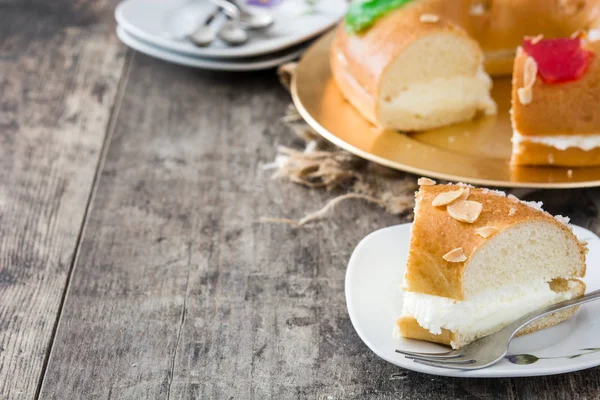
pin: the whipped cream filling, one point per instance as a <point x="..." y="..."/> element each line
<point x="560" y="142"/>
<point x="442" y="96"/>
<point x="481" y="314"/>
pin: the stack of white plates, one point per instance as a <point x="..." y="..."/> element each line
<point x="159" y="28"/>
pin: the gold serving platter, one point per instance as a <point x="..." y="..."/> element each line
<point x="476" y="152"/>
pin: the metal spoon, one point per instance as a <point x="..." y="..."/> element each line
<point x="206" y="33"/>
<point x="232" y="33"/>
<point x="252" y="19"/>
<point x="248" y="18"/>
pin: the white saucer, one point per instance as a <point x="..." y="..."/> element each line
<point x="247" y="64"/>
<point x="374" y="302"/>
<point x="165" y="24"/>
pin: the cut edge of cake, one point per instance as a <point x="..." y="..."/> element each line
<point x="458" y="287"/>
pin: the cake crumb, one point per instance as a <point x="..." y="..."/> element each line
<point x="429" y="18"/>
<point x="512" y="211"/>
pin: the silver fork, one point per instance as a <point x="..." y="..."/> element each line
<point x="490" y="349"/>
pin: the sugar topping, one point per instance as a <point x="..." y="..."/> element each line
<point x="494" y="192"/>
<point x="537" y="205"/>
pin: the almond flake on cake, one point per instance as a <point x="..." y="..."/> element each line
<point x="429" y="18"/>
<point x="446" y="198"/>
<point x="455" y="256"/>
<point x="486" y="231"/>
<point x="465" y="210"/>
<point x="425" y="182"/>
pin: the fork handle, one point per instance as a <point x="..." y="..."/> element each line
<point x="563" y="305"/>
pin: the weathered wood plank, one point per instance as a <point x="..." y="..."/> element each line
<point x="180" y="293"/>
<point x="59" y="71"/>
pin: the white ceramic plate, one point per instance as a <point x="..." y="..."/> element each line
<point x="247" y="64"/>
<point x="374" y="302"/>
<point x="165" y="24"/>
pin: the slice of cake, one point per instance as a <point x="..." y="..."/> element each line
<point x="413" y="73"/>
<point x="556" y="103"/>
<point x="478" y="260"/>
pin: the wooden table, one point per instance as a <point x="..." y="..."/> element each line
<point x="132" y="262"/>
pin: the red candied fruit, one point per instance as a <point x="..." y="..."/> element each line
<point x="558" y="60"/>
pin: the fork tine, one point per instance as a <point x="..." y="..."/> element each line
<point x="448" y="365"/>
<point x="433" y="356"/>
<point x="442" y="360"/>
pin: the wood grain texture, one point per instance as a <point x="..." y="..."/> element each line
<point x="59" y="71"/>
<point x="179" y="292"/>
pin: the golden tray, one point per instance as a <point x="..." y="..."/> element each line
<point x="476" y="152"/>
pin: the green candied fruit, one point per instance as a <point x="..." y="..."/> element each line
<point x="363" y="13"/>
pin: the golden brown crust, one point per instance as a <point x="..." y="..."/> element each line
<point x="368" y="54"/>
<point x="559" y="109"/>
<point x="410" y="328"/>
<point x="427" y="271"/>
<point x="499" y="29"/>
<point x="528" y="153"/>
<point x="350" y="88"/>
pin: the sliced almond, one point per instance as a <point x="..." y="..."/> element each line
<point x="465" y="210"/>
<point x="465" y="194"/>
<point x="537" y="39"/>
<point x="455" y="256"/>
<point x="525" y="95"/>
<point x="446" y="198"/>
<point x="478" y="9"/>
<point x="429" y="18"/>
<point x="579" y="34"/>
<point x="530" y="72"/>
<point x="425" y="182"/>
<point x="486" y="231"/>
